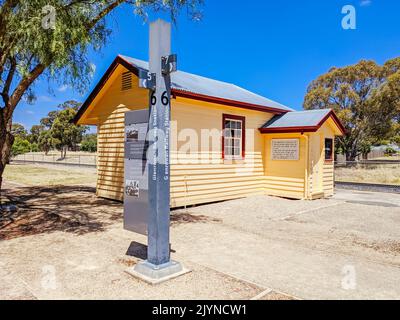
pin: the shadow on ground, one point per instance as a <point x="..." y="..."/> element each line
<point x="74" y="209"/>
<point x="178" y="218"/>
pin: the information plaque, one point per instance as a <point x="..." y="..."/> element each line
<point x="136" y="186"/>
<point x="285" y="149"/>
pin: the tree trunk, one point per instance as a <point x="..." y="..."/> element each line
<point x="6" y="141"/>
<point x="351" y="155"/>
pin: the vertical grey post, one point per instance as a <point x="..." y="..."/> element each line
<point x="158" y="228"/>
<point x="158" y="267"/>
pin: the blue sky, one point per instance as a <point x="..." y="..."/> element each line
<point x="273" y="48"/>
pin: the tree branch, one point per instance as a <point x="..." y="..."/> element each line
<point x="22" y="86"/>
<point x="7" y="84"/>
<point x="103" y="13"/>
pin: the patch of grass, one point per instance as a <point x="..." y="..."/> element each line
<point x="397" y="157"/>
<point x="376" y="174"/>
<point x="44" y="176"/>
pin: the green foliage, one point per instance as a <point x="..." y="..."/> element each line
<point x="34" y="147"/>
<point x="390" y="151"/>
<point x="20" y="146"/>
<point x="48" y="121"/>
<point x="366" y="98"/>
<point x="18" y="130"/>
<point x="46" y="141"/>
<point x="60" y="51"/>
<point x="70" y="104"/>
<point x="65" y="132"/>
<point x="89" y="143"/>
<point x="35" y="133"/>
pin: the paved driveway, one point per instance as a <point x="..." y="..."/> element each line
<point x="65" y="243"/>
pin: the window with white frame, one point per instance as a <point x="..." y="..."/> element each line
<point x="233" y="141"/>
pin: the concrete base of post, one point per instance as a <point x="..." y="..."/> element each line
<point x="154" y="274"/>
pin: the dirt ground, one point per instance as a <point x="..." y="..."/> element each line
<point x="64" y="243"/>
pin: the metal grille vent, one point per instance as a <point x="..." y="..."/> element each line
<point x="126" y="81"/>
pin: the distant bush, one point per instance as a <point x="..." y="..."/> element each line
<point x="390" y="152"/>
<point x="20" y="146"/>
<point x="89" y="143"/>
<point x="34" y="147"/>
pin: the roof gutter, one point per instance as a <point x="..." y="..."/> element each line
<point x="289" y="129"/>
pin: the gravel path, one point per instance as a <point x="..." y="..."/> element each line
<point x="64" y="243"/>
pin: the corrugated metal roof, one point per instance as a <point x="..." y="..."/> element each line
<point x="187" y="82"/>
<point x="309" y="118"/>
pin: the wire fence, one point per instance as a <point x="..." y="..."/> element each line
<point x="374" y="155"/>
<point x="368" y="163"/>
<point x="72" y="158"/>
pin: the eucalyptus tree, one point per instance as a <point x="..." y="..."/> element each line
<point x="51" y="39"/>
<point x="366" y="98"/>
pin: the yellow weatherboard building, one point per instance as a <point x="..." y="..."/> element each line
<point x="226" y="142"/>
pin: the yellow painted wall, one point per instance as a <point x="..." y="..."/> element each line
<point x="285" y="178"/>
<point x="199" y="176"/>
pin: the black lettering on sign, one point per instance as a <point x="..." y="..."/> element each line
<point x="153" y="99"/>
<point x="164" y="98"/>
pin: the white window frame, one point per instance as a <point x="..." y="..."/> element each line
<point x="231" y="139"/>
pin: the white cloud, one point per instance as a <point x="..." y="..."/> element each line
<point x="93" y="67"/>
<point x="365" y="3"/>
<point x="63" y="88"/>
<point x="44" y="98"/>
<point x="30" y="112"/>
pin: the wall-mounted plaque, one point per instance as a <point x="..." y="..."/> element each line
<point x="285" y="149"/>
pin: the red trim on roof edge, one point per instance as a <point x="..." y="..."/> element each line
<point x="288" y="129"/>
<point x="175" y="93"/>
<point x="336" y="120"/>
